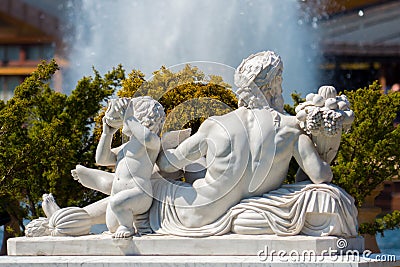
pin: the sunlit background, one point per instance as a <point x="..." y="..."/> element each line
<point x="345" y="43"/>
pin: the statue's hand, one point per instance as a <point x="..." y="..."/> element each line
<point x="115" y="112"/>
<point x="107" y="129"/>
<point x="123" y="106"/>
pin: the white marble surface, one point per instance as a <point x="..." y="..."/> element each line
<point x="177" y="261"/>
<point x="247" y="154"/>
<point x="104" y="245"/>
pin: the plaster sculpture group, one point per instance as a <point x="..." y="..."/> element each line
<point x="245" y="153"/>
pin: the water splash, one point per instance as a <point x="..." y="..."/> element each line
<point x="148" y="34"/>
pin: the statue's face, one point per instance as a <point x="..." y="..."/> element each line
<point x="276" y="85"/>
<point x="277" y="92"/>
<point x="156" y="128"/>
<point x="273" y="92"/>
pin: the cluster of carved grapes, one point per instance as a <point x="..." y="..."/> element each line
<point x="324" y="113"/>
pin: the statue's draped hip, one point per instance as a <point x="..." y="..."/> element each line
<point x="301" y="208"/>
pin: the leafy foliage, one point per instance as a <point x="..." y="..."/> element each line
<point x="188" y="105"/>
<point x="297" y="99"/>
<point x="390" y="221"/>
<point x="188" y="96"/>
<point x="369" y="153"/>
<point x="132" y="84"/>
<point x="44" y="134"/>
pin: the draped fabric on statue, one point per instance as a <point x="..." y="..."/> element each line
<point x="302" y="208"/>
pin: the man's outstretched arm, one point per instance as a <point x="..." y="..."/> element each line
<point x="172" y="160"/>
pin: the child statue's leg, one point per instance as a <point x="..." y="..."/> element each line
<point x="111" y="220"/>
<point x="125" y="205"/>
<point x="94" y="179"/>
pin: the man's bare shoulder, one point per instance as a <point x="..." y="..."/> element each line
<point x="233" y="115"/>
<point x="213" y="120"/>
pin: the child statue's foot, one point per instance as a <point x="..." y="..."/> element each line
<point x="49" y="205"/>
<point x="75" y="175"/>
<point x="123" y="232"/>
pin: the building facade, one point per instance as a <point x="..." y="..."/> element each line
<point x="27" y="36"/>
<point x="360" y="43"/>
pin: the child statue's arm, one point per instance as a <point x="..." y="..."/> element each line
<point x="105" y="156"/>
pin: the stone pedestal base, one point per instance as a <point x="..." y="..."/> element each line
<point x="181" y="261"/>
<point x="234" y="245"/>
<point x="217" y="251"/>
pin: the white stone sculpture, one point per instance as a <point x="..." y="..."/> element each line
<point x="37" y="227"/>
<point x="130" y="187"/>
<point x="69" y="221"/>
<point x="259" y="79"/>
<point x="49" y="205"/>
<point x="131" y="191"/>
<point x="247" y="154"/>
<point x="40" y="226"/>
<point x="323" y="117"/>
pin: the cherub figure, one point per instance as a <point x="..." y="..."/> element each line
<point x="130" y="187"/>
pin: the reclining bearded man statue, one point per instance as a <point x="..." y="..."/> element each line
<point x="247" y="154"/>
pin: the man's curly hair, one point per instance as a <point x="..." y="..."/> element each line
<point x="253" y="76"/>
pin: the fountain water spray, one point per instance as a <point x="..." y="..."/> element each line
<point x="148" y="34"/>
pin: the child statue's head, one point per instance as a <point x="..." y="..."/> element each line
<point x="149" y="113"/>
